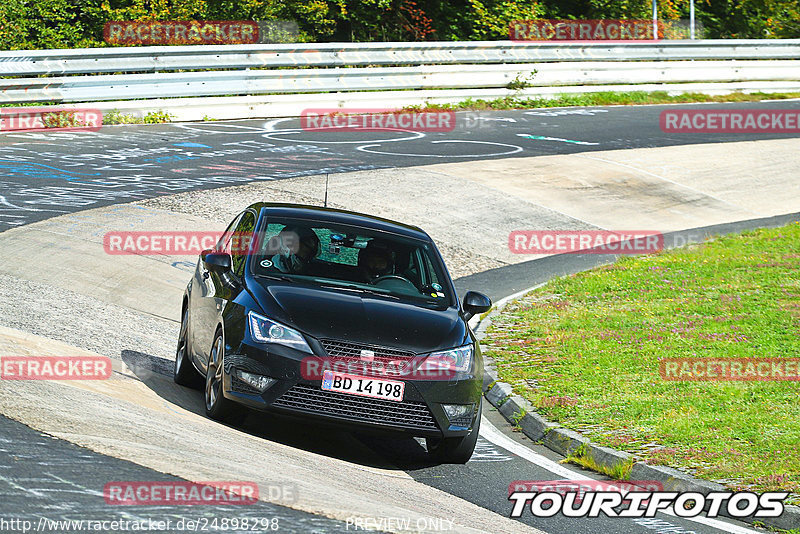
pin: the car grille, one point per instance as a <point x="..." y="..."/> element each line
<point x="312" y="399"/>
<point x="387" y="362"/>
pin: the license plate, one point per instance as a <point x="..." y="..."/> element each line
<point x="361" y="385"/>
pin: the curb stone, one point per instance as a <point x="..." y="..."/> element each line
<point x="499" y="392"/>
<point x="609" y="458"/>
<point x="565" y="442"/>
<point x="512" y="408"/>
<point x="535" y="426"/>
<point x="673" y="479"/>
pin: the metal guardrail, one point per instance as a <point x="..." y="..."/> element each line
<point x="163" y="58"/>
<point x="254" y="82"/>
<point x="61" y="75"/>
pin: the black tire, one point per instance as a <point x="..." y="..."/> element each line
<point x="455" y="450"/>
<point x="217" y="406"/>
<point x="184" y="373"/>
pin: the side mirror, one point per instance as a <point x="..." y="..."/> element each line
<point x="217" y="262"/>
<point x="475" y="303"/>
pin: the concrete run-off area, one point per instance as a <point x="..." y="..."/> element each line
<point x="64" y="295"/>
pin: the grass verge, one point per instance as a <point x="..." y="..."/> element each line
<point x="581" y="458"/>
<point x="154" y="117"/>
<point x="584" y="350"/>
<point x="605" y="98"/>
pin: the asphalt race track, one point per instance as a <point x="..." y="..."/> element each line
<point x="59" y="480"/>
<point x="48" y="174"/>
<point x="45" y="175"/>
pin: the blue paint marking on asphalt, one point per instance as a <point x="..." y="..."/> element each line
<point x="192" y="145"/>
<point x="179" y="264"/>
<point x="163" y="159"/>
<point x="38" y="169"/>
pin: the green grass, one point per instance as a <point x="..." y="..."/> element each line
<point x="605" y="98"/>
<point x="28" y="104"/>
<point x="584" y="351"/>
<point x="154" y="117"/>
<point x="580" y="456"/>
<point x="768" y="528"/>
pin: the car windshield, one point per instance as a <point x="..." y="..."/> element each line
<point x="351" y="258"/>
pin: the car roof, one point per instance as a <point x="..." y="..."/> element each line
<point x="332" y="215"/>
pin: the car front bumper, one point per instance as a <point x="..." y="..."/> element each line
<point x="420" y="413"/>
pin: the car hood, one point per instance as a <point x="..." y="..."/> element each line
<point x="357" y="317"/>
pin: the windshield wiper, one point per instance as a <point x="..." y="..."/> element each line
<point x="345" y="285"/>
<point x="274" y="277"/>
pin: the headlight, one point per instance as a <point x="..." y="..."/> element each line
<point x="266" y="330"/>
<point x="459" y="359"/>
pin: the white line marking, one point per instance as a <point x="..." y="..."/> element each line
<point x="83" y="489"/>
<point x="491" y="433"/>
<point x="226" y="128"/>
<point x="22" y="489"/>
<point x="500" y="304"/>
<point x="557" y="112"/>
<point x="716" y="523"/>
<point x="497" y="119"/>
<point x="414" y="135"/>
<point x="514" y="150"/>
<point x="546" y="138"/>
<point x="269" y="126"/>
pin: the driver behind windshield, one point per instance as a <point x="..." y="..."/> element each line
<point x="375" y="261"/>
<point x="297" y="247"/>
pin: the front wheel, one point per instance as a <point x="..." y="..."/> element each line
<point x="455" y="450"/>
<point x="217" y="406"/>
<point x="184" y="372"/>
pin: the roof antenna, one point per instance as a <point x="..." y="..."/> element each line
<point x="326" y="190"/>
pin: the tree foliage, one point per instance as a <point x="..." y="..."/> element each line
<point x="32" y="24"/>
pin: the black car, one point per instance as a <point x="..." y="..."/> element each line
<point x="335" y="315"/>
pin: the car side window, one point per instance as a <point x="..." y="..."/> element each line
<point x="241" y="248"/>
<point x="430" y="272"/>
<point x="412" y="268"/>
<point x="224" y="243"/>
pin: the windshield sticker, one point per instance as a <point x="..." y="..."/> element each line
<point x="266" y="263"/>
